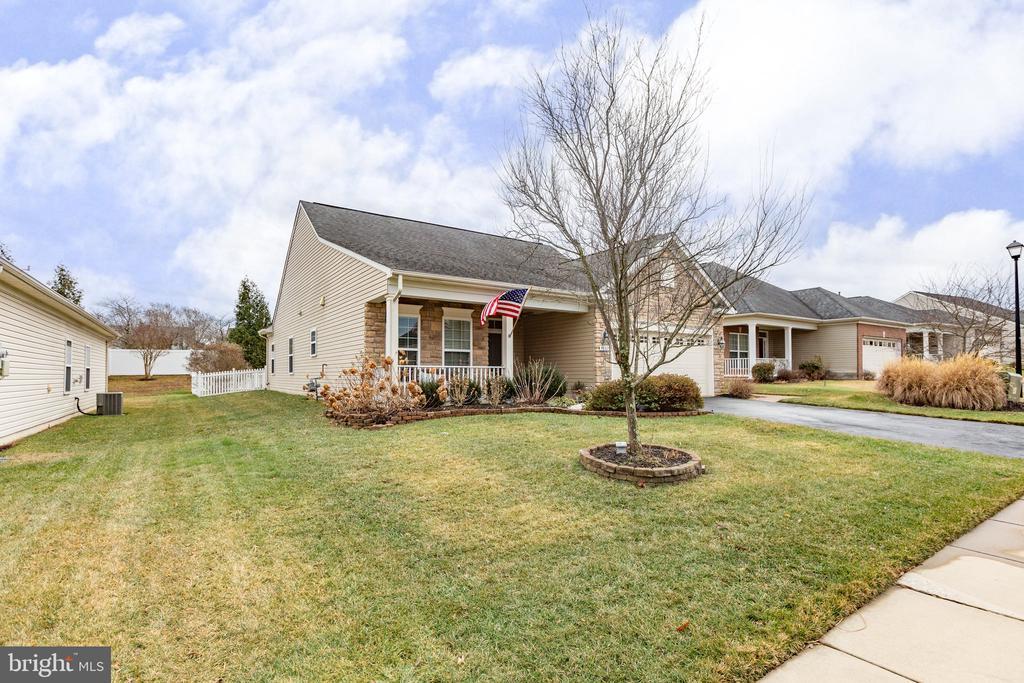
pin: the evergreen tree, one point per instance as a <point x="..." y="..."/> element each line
<point x="5" y="253"/>
<point x="251" y="316"/>
<point x="65" y="284"/>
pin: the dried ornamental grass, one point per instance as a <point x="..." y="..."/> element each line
<point x="969" y="383"/>
<point x="907" y="380"/>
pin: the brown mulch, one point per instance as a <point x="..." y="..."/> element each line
<point x="653" y="456"/>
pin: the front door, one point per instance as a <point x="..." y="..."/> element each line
<point x="762" y="345"/>
<point x="494" y="349"/>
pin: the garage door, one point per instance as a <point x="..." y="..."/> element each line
<point x="877" y="353"/>
<point x="697" y="363"/>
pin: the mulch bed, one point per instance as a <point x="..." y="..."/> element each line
<point x="653" y="456"/>
<point x="360" y="421"/>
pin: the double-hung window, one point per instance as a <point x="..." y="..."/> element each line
<point x="739" y="345"/>
<point x="409" y="339"/>
<point x="88" y="368"/>
<point x="272" y="359"/>
<point x="291" y="355"/>
<point x="67" y="366"/>
<point x="458" y="341"/>
<point x="312" y="343"/>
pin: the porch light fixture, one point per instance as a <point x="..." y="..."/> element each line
<point x="1015" y="248"/>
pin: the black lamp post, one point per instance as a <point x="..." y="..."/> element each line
<point x="1015" y="248"/>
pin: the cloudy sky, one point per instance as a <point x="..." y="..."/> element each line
<point x="159" y="148"/>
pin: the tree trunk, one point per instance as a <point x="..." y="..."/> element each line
<point x="633" y="445"/>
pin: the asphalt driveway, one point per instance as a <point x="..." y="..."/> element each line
<point x="997" y="439"/>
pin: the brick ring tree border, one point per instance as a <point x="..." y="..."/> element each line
<point x="691" y="469"/>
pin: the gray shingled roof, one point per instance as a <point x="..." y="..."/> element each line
<point x="416" y="246"/>
<point x="750" y="295"/>
<point x="757" y="296"/>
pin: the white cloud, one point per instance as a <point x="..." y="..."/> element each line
<point x="890" y="257"/>
<point x="917" y="84"/>
<point x="492" y="14"/>
<point x="140" y="35"/>
<point x="492" y="66"/>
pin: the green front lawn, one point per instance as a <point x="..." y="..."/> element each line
<point x="245" y="538"/>
<point x="861" y="395"/>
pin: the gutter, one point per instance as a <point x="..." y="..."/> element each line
<point x="492" y="283"/>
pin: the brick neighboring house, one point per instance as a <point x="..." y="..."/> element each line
<point x="355" y="281"/>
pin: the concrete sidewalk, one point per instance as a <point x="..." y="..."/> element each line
<point x="957" y="617"/>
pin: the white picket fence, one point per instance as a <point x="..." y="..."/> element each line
<point x="228" y="382"/>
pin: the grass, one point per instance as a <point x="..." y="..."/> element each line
<point x="244" y="538"/>
<point x="134" y="385"/>
<point x="861" y="395"/>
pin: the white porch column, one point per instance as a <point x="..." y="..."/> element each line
<point x="926" y="351"/>
<point x="391" y="327"/>
<point x="789" y="347"/>
<point x="751" y="347"/>
<point x="507" y="348"/>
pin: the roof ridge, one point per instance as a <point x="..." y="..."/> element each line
<point x="416" y="220"/>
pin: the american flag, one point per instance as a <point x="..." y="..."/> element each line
<point x="507" y="304"/>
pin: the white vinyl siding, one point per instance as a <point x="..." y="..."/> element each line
<point x="458" y="341"/>
<point x="568" y="340"/>
<point x="326" y="290"/>
<point x="35" y="335"/>
<point x="836" y="344"/>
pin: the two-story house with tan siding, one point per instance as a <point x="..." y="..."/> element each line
<point x="52" y="352"/>
<point x="356" y="282"/>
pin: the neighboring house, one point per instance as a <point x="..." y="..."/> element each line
<point x="53" y="352"/>
<point x="973" y="324"/>
<point x="852" y="335"/>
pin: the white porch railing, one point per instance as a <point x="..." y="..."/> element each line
<point x="228" y="382"/>
<point x="740" y="367"/>
<point x="423" y="373"/>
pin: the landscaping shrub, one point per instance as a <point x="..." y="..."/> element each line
<point x="967" y="382"/>
<point x="463" y="391"/>
<point x="498" y="390"/>
<point x="538" y="381"/>
<point x="739" y="388"/>
<point x="814" y="368"/>
<point x="787" y="375"/>
<point x="868" y="375"/>
<point x="434" y="393"/>
<point x="217" y="357"/>
<point x="763" y="372"/>
<point x="370" y="388"/>
<point x="562" y="402"/>
<point x="612" y="396"/>
<point x="676" y="392"/>
<point x="907" y="381"/>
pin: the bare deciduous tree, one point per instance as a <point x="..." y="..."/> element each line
<point x="123" y="314"/>
<point x="974" y="307"/>
<point x="611" y="170"/>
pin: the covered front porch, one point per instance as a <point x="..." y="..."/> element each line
<point x="931" y="344"/>
<point x="434" y="330"/>
<point x="752" y="341"/>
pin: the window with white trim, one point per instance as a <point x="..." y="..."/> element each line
<point x="409" y="339"/>
<point x="67" y="366"/>
<point x="312" y="343"/>
<point x="291" y="356"/>
<point x="272" y="359"/>
<point x="739" y="345"/>
<point x="458" y="341"/>
<point x="88" y="367"/>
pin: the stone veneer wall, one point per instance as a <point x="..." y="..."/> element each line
<point x="431" y="330"/>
